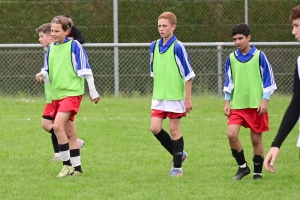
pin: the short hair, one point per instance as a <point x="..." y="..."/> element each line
<point x="241" y="28"/>
<point x="169" y="16"/>
<point x="295" y="14"/>
<point x="44" y="28"/>
<point x="65" y="22"/>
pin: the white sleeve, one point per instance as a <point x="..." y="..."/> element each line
<point x="90" y="80"/>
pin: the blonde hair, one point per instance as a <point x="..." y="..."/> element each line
<point x="65" y="22"/>
<point x="169" y="16"/>
<point x="44" y="28"/>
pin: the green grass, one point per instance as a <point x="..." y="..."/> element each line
<point x="122" y="160"/>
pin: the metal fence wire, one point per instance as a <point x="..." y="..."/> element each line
<point x="198" y="21"/>
<point x="19" y="66"/>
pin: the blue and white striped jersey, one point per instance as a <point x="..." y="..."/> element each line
<point x="180" y="54"/>
<point x="79" y="59"/>
<point x="269" y="84"/>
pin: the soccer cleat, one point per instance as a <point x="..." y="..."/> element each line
<point x="80" y="142"/>
<point x="184" y="156"/>
<point x="241" y="173"/>
<point x="56" y="157"/>
<point x="257" y="177"/>
<point x="176" y="172"/>
<point x="66" y="171"/>
<point x="76" y="173"/>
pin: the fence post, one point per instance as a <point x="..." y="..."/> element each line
<point x="116" y="49"/>
<point x="246" y="11"/>
<point x="220" y="74"/>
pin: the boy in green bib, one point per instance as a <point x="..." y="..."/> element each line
<point x="172" y="73"/>
<point x="248" y="85"/>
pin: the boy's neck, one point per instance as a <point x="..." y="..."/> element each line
<point x="246" y="50"/>
<point x="165" y="40"/>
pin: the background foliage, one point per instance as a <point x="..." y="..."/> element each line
<point x="198" y="20"/>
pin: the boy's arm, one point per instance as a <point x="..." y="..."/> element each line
<point x="228" y="85"/>
<point x="152" y="47"/>
<point x="43" y="74"/>
<point x="291" y="115"/>
<point x="269" y="84"/>
<point x="82" y="68"/>
<point x="183" y="62"/>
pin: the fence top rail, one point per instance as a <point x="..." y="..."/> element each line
<point x="217" y="44"/>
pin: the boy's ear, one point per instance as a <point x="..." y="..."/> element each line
<point x="249" y="37"/>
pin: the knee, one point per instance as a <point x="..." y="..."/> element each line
<point x="56" y="128"/>
<point x="155" y="129"/>
<point x="256" y="141"/>
<point x="232" y="136"/>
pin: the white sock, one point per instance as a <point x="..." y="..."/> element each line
<point x="75" y="161"/>
<point x="65" y="155"/>
<point x="243" y="166"/>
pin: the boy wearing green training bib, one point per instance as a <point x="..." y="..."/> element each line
<point x="248" y="85"/>
<point x="172" y="73"/>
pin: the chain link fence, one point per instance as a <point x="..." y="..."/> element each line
<point x="198" y="21"/>
<point x="20" y="65"/>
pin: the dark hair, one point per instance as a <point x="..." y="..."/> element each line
<point x="295" y="14"/>
<point x="241" y="28"/>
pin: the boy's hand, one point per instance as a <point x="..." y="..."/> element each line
<point x="271" y="159"/>
<point x="263" y="107"/>
<point x="39" y="77"/>
<point x="96" y="100"/>
<point x="226" y="108"/>
<point x="188" y="105"/>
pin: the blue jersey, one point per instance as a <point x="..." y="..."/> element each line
<point x="180" y="54"/>
<point x="79" y="59"/>
<point x="268" y="80"/>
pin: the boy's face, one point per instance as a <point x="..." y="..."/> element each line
<point x="58" y="34"/>
<point x="45" y="39"/>
<point x="241" y="42"/>
<point x="165" y="28"/>
<point x="296" y="29"/>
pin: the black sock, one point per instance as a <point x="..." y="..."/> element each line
<point x="165" y="140"/>
<point x="178" y="151"/>
<point x="54" y="141"/>
<point x="62" y="149"/>
<point x="258" y="163"/>
<point x="239" y="156"/>
<point x="75" y="153"/>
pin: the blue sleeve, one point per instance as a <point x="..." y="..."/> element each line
<point x="152" y="46"/>
<point x="45" y="66"/>
<point x="183" y="62"/>
<point x="228" y="84"/>
<point x="227" y="96"/>
<point x="80" y="60"/>
<point x="269" y="84"/>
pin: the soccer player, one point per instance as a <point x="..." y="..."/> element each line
<point x="66" y="67"/>
<point x="248" y="85"/>
<point x="75" y="33"/>
<point x="172" y="73"/>
<point x="47" y="121"/>
<point x="291" y="115"/>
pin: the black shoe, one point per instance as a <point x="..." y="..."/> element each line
<point x="257" y="177"/>
<point x="241" y="173"/>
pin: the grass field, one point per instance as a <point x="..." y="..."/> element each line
<point x="122" y="160"/>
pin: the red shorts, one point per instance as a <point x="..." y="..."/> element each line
<point x="249" y="118"/>
<point x="47" y="111"/>
<point x="163" y="114"/>
<point x="68" y="104"/>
